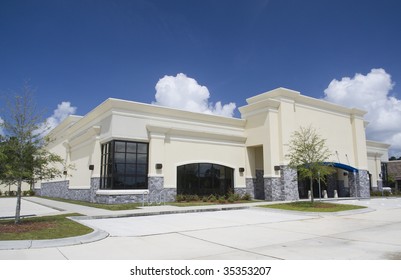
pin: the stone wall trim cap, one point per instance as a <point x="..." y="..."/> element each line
<point x="121" y="192"/>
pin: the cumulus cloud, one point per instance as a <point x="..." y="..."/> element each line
<point x="182" y="92"/>
<point x="1" y="128"/>
<point x="64" y="109"/>
<point x="371" y="92"/>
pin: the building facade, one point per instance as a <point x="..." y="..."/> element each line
<point x="393" y="169"/>
<point x="124" y="151"/>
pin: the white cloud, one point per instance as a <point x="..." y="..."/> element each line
<point x="64" y="109"/>
<point x="182" y="92"/>
<point x="1" y="129"/>
<point x="371" y="92"/>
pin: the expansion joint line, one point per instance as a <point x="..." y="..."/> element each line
<point x="227" y="246"/>
<point x="65" y="257"/>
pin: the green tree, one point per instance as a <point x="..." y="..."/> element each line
<point x="23" y="154"/>
<point x="309" y="155"/>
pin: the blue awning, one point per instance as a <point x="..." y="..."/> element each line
<point x="343" y="166"/>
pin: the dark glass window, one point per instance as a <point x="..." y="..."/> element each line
<point x="205" y="179"/>
<point x="124" y="165"/>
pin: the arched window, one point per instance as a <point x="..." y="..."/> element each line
<point x="205" y="179"/>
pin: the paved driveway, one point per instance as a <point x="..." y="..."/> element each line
<point x="241" y="234"/>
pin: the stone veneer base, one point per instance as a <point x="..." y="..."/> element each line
<point x="155" y="194"/>
<point x="282" y="188"/>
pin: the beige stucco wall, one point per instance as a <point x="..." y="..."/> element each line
<point x="274" y="116"/>
<point x="338" y="129"/>
<point x="180" y="152"/>
<point x="175" y="138"/>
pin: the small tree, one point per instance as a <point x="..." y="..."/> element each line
<point x="309" y="155"/>
<point x="24" y="157"/>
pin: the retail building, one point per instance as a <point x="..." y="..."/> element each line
<point x="125" y="151"/>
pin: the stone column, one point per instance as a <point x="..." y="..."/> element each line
<point x="284" y="187"/>
<point x="352" y="183"/>
<point x="157" y="190"/>
<point x="249" y="188"/>
<point x="359" y="184"/>
<point x="363" y="184"/>
<point x="273" y="188"/>
<point x="95" y="185"/>
<point x="289" y="179"/>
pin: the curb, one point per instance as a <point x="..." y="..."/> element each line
<point x="156" y="213"/>
<point x="96" y="235"/>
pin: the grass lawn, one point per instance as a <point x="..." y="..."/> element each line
<point x="132" y="206"/>
<point x="49" y="227"/>
<point x="307" y="206"/>
<point x="112" y="207"/>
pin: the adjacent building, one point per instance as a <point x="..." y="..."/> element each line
<point x="125" y="151"/>
<point x="393" y="170"/>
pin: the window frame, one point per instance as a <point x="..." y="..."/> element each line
<point x="117" y="158"/>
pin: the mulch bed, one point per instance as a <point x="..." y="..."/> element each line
<point x="25" y="227"/>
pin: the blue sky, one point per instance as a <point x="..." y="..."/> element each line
<point x="85" y="51"/>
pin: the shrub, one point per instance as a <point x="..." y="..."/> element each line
<point x="232" y="197"/>
<point x="235" y="196"/>
<point x="204" y="199"/>
<point x="212" y="198"/>
<point x="180" y="198"/>
<point x="193" y="198"/>
<point x="379" y="193"/>
<point x="28" y="193"/>
<point x="246" y="196"/>
<point x="10" y="193"/>
<point x="222" y="199"/>
<point x="1" y="193"/>
<point x="187" y="198"/>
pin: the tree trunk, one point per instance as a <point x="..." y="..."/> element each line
<point x="18" y="208"/>
<point x="311" y="190"/>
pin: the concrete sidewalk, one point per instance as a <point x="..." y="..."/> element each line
<point x="28" y="208"/>
<point x="98" y="213"/>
